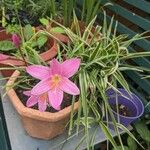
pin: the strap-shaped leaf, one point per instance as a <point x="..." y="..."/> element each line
<point x="119" y="77"/>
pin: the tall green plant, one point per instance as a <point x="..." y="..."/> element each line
<point x="102" y="54"/>
<point x="67" y="9"/>
<point x="55" y="9"/>
<point x="90" y="8"/>
<point x="42" y="8"/>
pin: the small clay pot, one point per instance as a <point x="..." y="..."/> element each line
<point x="9" y="63"/>
<point x="61" y="37"/>
<point x="13" y="61"/>
<point x="4" y="35"/>
<point x="43" y="125"/>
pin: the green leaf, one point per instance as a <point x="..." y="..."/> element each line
<point x="34" y="44"/>
<point x="136" y="55"/>
<point x="28" y="32"/>
<point x="91" y="120"/>
<point x="41" y="40"/>
<point x="108" y="134"/>
<point x="6" y="45"/>
<point x="57" y="30"/>
<point x="131" y="143"/>
<point x="93" y="139"/>
<point x="119" y="77"/>
<point x="129" y="133"/>
<point x="44" y="21"/>
<point x="120" y="148"/>
<point x="143" y="130"/>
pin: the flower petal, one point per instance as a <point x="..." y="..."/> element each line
<point x="32" y="101"/>
<point x="69" y="87"/>
<point x="39" y="71"/>
<point x="55" y="98"/>
<point x="42" y="87"/>
<point x="27" y="93"/>
<point x="55" y="67"/>
<point x="70" y="67"/>
<point x="3" y="57"/>
<point x="42" y="104"/>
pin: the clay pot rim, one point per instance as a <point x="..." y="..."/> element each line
<point x="52" y="49"/>
<point x="32" y="113"/>
<point x="12" y="60"/>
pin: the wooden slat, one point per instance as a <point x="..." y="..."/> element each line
<point x="143" y="83"/>
<point x="141" y="4"/>
<point x="141" y="96"/>
<point x="144" y="44"/>
<point x="134" y="18"/>
<point x="141" y="61"/>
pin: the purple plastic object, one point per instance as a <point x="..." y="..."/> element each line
<point x="132" y="102"/>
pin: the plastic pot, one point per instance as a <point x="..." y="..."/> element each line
<point x="132" y="102"/>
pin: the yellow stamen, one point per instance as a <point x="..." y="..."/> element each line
<point x="55" y="80"/>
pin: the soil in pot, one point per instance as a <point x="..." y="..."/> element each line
<point x="65" y="103"/>
<point x="122" y="110"/>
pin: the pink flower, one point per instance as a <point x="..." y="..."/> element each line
<point x="55" y="80"/>
<point x="34" y="99"/>
<point x="16" y="40"/>
<point x="3" y="57"/>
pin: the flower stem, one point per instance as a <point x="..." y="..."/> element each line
<point x="21" y="53"/>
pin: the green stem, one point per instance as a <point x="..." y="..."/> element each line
<point x="53" y="7"/>
<point x="22" y="55"/>
<point x="22" y="37"/>
<point x="65" y="13"/>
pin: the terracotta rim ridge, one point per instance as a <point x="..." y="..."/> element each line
<point x="50" y="53"/>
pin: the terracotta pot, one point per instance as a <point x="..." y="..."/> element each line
<point x="4" y="35"/>
<point x="7" y="63"/>
<point x="61" y="37"/>
<point x="12" y="61"/>
<point x="51" y="52"/>
<point x="43" y="125"/>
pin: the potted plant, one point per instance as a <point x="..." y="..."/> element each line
<point x="102" y="61"/>
<point x="50" y="100"/>
<point x="21" y="47"/>
<point x="125" y="107"/>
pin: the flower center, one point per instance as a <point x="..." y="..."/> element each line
<point x="55" y="80"/>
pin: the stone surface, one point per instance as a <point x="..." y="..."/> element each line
<point x="21" y="141"/>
